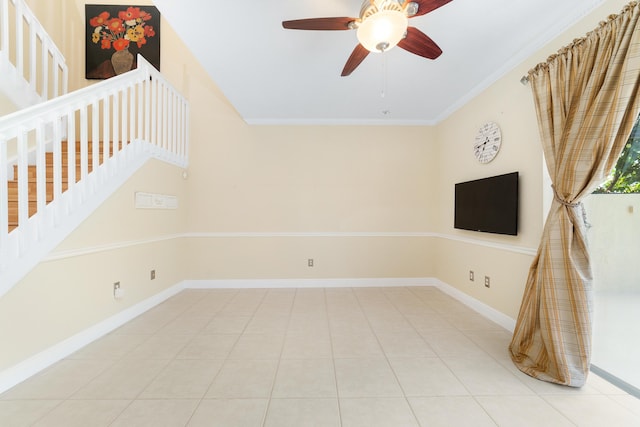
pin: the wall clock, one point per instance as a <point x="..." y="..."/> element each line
<point x="487" y="143"/>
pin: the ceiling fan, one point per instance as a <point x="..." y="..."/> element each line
<point x="382" y="25"/>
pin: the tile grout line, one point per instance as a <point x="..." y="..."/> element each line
<point x="161" y="370"/>
<point x="244" y="329"/>
<point x="195" y="409"/>
<point x="333" y="357"/>
<point x="123" y="357"/>
<point x="275" y="376"/>
<point x="471" y="395"/>
<point x="378" y="307"/>
<point x="386" y="357"/>
<point x="421" y="337"/>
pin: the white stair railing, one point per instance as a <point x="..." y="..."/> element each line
<point x="32" y="68"/>
<point x="135" y="116"/>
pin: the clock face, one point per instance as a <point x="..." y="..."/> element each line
<point x="487" y="142"/>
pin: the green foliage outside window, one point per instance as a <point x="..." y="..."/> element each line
<point x="625" y="176"/>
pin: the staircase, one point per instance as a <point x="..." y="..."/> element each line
<point x="49" y="185"/>
<point x="32" y="68"/>
<point x="32" y="175"/>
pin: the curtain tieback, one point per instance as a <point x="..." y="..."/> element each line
<point x="557" y="198"/>
<point x="563" y="202"/>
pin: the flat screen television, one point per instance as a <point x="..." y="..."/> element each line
<point x="489" y="205"/>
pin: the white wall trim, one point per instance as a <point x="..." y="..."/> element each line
<point x="539" y="42"/>
<point x="489" y="312"/>
<point x="69" y="220"/>
<point x="309" y="283"/>
<point x="488" y="244"/>
<point x="90" y="250"/>
<point x="58" y="255"/>
<point x="485" y="310"/>
<point x="312" y="234"/>
<point x="339" y="122"/>
<point x="31" y="366"/>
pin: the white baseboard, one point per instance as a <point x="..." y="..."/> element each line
<point x="489" y="312"/>
<point x="309" y="283"/>
<point x="31" y="366"/>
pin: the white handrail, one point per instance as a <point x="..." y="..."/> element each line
<point x="44" y="75"/>
<point x="131" y="115"/>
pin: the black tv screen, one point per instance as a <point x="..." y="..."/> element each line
<point x="489" y="205"/>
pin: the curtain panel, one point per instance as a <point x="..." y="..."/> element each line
<point x="587" y="100"/>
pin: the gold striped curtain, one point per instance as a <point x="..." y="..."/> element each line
<point x="587" y="99"/>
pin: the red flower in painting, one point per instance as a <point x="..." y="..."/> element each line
<point x="120" y="44"/>
<point x="100" y="19"/>
<point x="129" y="27"/>
<point x="131" y="14"/>
<point x="115" y="25"/>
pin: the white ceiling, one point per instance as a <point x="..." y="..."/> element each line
<point x="277" y="76"/>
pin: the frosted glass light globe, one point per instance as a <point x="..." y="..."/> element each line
<point x="382" y="30"/>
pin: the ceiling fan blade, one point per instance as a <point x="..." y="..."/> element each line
<point x="357" y="56"/>
<point x="426" y="6"/>
<point x="420" y="44"/>
<point x="339" y="23"/>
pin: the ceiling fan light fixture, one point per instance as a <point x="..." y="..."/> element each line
<point x="382" y="30"/>
<point x="382" y="24"/>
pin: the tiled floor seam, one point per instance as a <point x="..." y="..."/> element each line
<point x="404" y="394"/>
<point x="195" y="409"/>
<point x="275" y="376"/>
<point x="333" y="357"/>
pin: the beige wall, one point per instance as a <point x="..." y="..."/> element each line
<point x="242" y="179"/>
<point x="300" y="180"/>
<point x="68" y="38"/>
<point x="510" y="104"/>
<point x="312" y="178"/>
<point x="285" y="257"/>
<point x="73" y="290"/>
<point x="256" y="195"/>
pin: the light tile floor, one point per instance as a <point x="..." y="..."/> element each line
<point x="616" y="347"/>
<point x="390" y="357"/>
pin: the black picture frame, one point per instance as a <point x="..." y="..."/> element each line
<point x="110" y="27"/>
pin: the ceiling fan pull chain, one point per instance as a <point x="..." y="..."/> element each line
<point x="383" y="92"/>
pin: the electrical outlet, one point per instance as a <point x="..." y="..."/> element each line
<point x="153" y="274"/>
<point x="117" y="290"/>
<point x="487" y="281"/>
<point x="310" y="262"/>
<point x="471" y="276"/>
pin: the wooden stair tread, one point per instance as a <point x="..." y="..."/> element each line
<point x="32" y="190"/>
<point x="32" y="171"/>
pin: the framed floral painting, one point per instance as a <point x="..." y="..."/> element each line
<point x="116" y="34"/>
